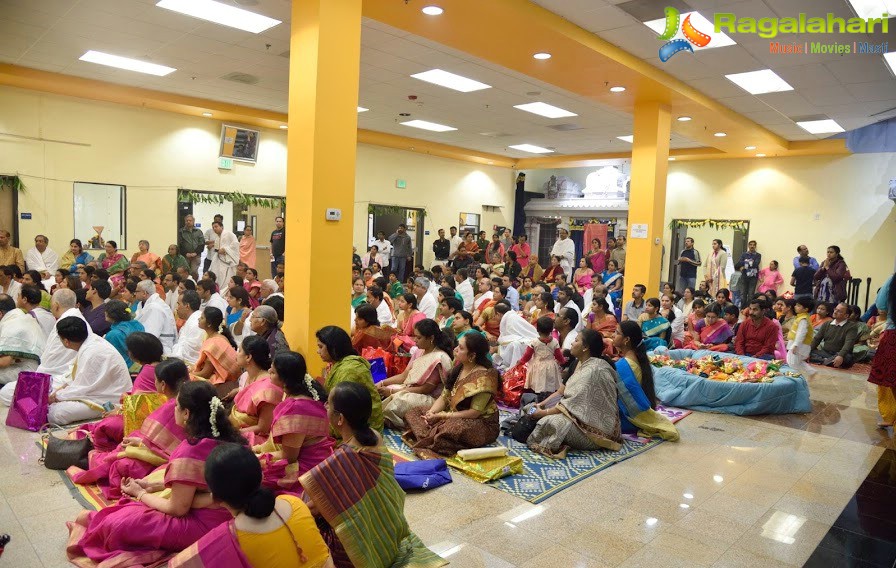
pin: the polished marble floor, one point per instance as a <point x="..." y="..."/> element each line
<point x="735" y="492"/>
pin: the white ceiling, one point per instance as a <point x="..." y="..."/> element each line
<point x="52" y="34"/>
<point x="851" y="89"/>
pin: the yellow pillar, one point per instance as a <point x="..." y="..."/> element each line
<point x="647" y="203"/>
<point x="324" y="64"/>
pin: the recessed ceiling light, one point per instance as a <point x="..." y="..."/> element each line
<point x="749" y="147"/>
<point x="450" y="80"/>
<point x="542" y="55"/>
<point x="283" y="127"/>
<point x="206" y="114"/>
<point x="126" y="63"/>
<point x="432" y="11"/>
<point x="544" y="109"/>
<point x="874" y="8"/>
<point x="671" y="159"/>
<point x="719" y="39"/>
<point x="362" y="109"/>
<point x="826" y="126"/>
<point x="720" y="135"/>
<point x="760" y="155"/>
<point x="426" y="125"/>
<point x="531" y="148"/>
<point x="617" y="89"/>
<point x="760" y="82"/>
<point x="684" y="118"/>
<point x="630" y="138"/>
<point x="221" y="13"/>
<point x="890" y="58"/>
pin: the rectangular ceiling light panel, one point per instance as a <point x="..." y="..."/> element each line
<point x="531" y="148"/>
<point x="874" y="8"/>
<point x="450" y="81"/>
<point x="546" y="110"/>
<point x="700" y="23"/>
<point x="126" y="63"/>
<point x="630" y="138"/>
<point x="426" y="125"/>
<point x="827" y="126"/>
<point x="760" y="82"/>
<point x="221" y="13"/>
<point x="890" y="58"/>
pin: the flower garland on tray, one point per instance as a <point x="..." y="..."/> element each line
<point x="725" y="369"/>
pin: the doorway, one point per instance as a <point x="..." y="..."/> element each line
<point x="386" y="218"/>
<point x="734" y="235"/>
<point x="9" y="205"/>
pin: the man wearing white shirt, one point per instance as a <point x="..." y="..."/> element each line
<point x="565" y="323"/>
<point x="8" y="283"/>
<point x="155" y="315"/>
<point x="566" y="250"/>
<point x="21" y="341"/>
<point x="171" y="283"/>
<point x="465" y="288"/>
<point x="425" y="302"/>
<point x="210" y="298"/>
<point x="41" y="258"/>
<point x="56" y="360"/>
<point x="384" y="248"/>
<point x="513" y="296"/>
<point x="375" y="299"/>
<point x="564" y="300"/>
<point x="189" y="341"/>
<point x="99" y="375"/>
<point x="455" y="240"/>
<point x="29" y="302"/>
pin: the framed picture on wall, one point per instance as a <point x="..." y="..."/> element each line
<point x="239" y="143"/>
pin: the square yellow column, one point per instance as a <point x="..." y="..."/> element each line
<point x="324" y="64"/>
<point x="647" y="202"/>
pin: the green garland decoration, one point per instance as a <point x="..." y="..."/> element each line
<point x="12" y="182"/>
<point x="235" y="197"/>
<point x="391" y="210"/>
<point x="711" y="223"/>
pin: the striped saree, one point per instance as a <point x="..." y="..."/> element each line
<point x="355" y="492"/>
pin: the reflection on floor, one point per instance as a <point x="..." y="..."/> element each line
<point x="735" y="492"/>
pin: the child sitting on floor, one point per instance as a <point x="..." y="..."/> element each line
<point x="544" y="358"/>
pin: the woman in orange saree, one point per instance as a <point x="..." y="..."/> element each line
<point x="217" y="361"/>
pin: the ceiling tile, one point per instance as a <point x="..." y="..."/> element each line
<point x="874" y="90"/>
<point x="860" y="69"/>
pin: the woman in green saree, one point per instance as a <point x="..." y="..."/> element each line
<point x="344" y="365"/>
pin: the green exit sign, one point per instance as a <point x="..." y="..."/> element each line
<point x="225" y="163"/>
<point x="401" y="184"/>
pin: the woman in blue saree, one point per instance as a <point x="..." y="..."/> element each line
<point x="612" y="279"/>
<point x="637" y="398"/>
<point x="654" y="326"/>
<point x="75" y="257"/>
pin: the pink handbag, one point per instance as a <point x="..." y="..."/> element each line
<point x="30" y="403"/>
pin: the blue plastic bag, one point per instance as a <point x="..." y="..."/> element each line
<point x="423" y="474"/>
<point x="378" y="369"/>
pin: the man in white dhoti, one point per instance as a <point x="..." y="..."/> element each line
<point x="516" y="335"/>
<point x="56" y="360"/>
<point x="566" y="250"/>
<point x="465" y="288"/>
<point x="99" y="375"/>
<point x="189" y="341"/>
<point x="225" y="254"/>
<point x="21" y="341"/>
<point x="155" y="315"/>
<point x="42" y="258"/>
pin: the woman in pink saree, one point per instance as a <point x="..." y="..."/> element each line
<point x="300" y="437"/>
<point x="254" y="403"/>
<point x="713" y="331"/>
<point x="146" y="448"/>
<point x="582" y="276"/>
<point x="408" y="316"/>
<point x="145" y="349"/>
<point x="217" y="357"/>
<point x="162" y="518"/>
<point x="114" y="263"/>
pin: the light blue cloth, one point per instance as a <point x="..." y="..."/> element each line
<point x="117" y="335"/>
<point x="883" y="300"/>
<point x="679" y="388"/>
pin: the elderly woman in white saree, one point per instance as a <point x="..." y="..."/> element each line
<point x="516" y="335"/>
<point x="582" y="414"/>
<point x="422" y="381"/>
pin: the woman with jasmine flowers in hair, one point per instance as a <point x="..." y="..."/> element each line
<point x="171" y="508"/>
<point x="217" y="361"/>
<point x="300" y="434"/>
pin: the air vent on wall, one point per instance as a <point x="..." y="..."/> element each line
<point x="566" y="127"/>
<point x="238" y="77"/>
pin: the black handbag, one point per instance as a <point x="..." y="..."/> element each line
<point x="523" y="428"/>
<point x="60" y="452"/>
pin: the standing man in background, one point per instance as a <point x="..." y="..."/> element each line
<point x="402" y="251"/>
<point x="565" y="249"/>
<point x="210" y="238"/>
<point x="455" y="241"/>
<point x="278" y="245"/>
<point x="384" y="251"/>
<point x="190" y="241"/>
<point x="441" y="247"/>
<point x="749" y="264"/>
<point x="688" y="262"/>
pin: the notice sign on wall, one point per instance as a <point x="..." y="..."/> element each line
<point x="637" y="231"/>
